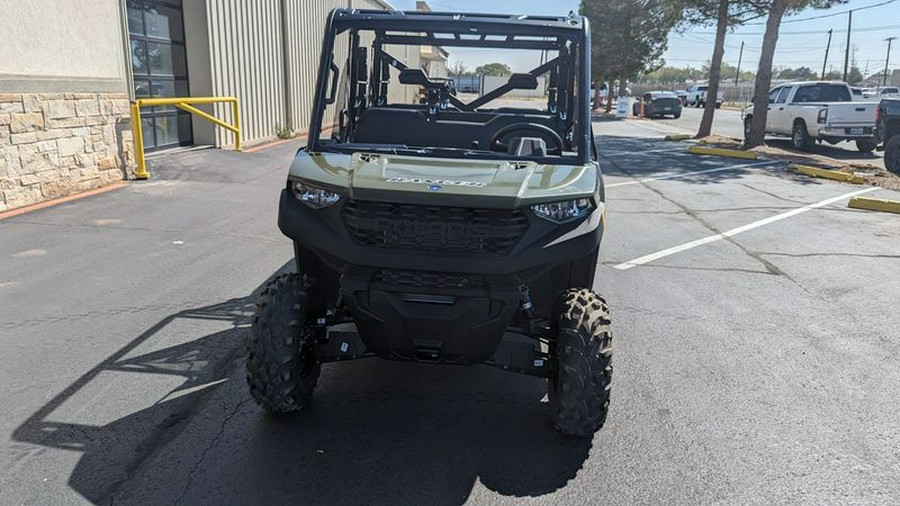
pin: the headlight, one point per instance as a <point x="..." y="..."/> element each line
<point x="561" y="212"/>
<point x="823" y="116"/>
<point x="316" y="198"/>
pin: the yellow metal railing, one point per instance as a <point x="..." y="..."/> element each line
<point x="184" y="103"/>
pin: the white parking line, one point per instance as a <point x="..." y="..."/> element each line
<point x="682" y="174"/>
<point x="735" y="231"/>
<point x="678" y="150"/>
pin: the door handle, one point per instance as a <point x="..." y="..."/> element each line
<point x="781" y="108"/>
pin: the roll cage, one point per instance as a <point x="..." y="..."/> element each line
<point x="567" y="112"/>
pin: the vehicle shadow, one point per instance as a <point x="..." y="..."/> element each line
<point x="640" y="158"/>
<point x="845" y="151"/>
<point x="174" y="379"/>
<point x="377" y="431"/>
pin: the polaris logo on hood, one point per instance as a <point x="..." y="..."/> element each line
<point x="437" y="182"/>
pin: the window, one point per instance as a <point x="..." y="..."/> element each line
<point x="822" y="93"/>
<point x="783" y="95"/>
<point x="159" y="65"/>
<point x="773" y="95"/>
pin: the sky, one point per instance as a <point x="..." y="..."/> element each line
<point x="801" y="42"/>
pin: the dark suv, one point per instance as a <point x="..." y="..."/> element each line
<point x="888" y="131"/>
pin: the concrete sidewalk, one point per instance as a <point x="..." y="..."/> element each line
<point x="118" y="308"/>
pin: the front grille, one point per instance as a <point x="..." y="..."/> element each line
<point x="432" y="229"/>
<point x="426" y="279"/>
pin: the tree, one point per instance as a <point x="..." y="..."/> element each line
<point x="798" y="74"/>
<point x="458" y="68"/>
<point x="725" y="14"/>
<point x="493" y="69"/>
<point x="854" y="76"/>
<point x="777" y="10"/>
<point x="628" y="37"/>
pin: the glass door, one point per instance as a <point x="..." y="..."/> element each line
<point x="159" y="64"/>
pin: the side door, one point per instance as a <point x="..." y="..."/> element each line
<point x="778" y="121"/>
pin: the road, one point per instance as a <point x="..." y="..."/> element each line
<point x="758" y="366"/>
<point x="728" y="122"/>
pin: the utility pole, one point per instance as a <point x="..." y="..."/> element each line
<point x="827" y="47"/>
<point x="887" y="60"/>
<point x="847" y="53"/>
<point x="737" y="74"/>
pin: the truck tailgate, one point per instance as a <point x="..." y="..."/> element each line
<point x="851" y="113"/>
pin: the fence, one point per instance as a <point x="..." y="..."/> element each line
<point x="741" y="93"/>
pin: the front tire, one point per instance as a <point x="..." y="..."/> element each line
<point x="865" y="146"/>
<point x="579" y="394"/>
<point x="892" y="154"/>
<point x="281" y="369"/>
<point x="748" y="125"/>
<point x="800" y="136"/>
<point x="676" y="115"/>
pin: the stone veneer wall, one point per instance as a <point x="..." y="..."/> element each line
<point x="56" y="144"/>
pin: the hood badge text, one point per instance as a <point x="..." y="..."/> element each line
<point x="437" y="184"/>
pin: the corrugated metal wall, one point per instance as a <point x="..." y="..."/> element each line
<point x="266" y="53"/>
<point x="304" y="29"/>
<point x="247" y="59"/>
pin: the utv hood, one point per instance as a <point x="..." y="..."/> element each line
<point x="450" y="181"/>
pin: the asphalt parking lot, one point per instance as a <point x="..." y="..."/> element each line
<point x="728" y="122"/>
<point x="755" y="332"/>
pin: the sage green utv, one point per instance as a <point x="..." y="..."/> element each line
<point x="446" y="228"/>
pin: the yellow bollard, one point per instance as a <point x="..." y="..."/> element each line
<point x="137" y="132"/>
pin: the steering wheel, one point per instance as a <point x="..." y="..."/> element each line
<point x="500" y="140"/>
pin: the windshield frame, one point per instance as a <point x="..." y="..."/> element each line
<point x="521" y="32"/>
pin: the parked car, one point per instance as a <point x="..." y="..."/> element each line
<point x="856" y="93"/>
<point x="696" y="96"/>
<point x="887" y="92"/>
<point x="888" y="131"/>
<point x="682" y="95"/>
<point x="818" y="111"/>
<point x="657" y="104"/>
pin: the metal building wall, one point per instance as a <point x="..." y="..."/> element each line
<point x="304" y="29"/>
<point x="266" y="53"/>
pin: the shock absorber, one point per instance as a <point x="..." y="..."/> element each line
<point x="525" y="302"/>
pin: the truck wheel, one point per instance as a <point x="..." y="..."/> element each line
<point x="865" y="146"/>
<point x="718" y="105"/>
<point x="800" y="137"/>
<point x="892" y="154"/>
<point x="281" y="369"/>
<point x="579" y="394"/>
<point x="748" y="124"/>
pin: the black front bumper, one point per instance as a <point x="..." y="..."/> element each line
<point x="411" y="300"/>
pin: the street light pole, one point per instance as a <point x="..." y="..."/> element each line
<point x="887" y="60"/>
<point x="847" y="53"/>
<point x="827" y="47"/>
<point x="737" y="74"/>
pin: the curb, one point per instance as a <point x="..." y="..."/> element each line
<point x="677" y="137"/>
<point x="883" y="205"/>
<point x="827" y="174"/>
<point x="730" y="153"/>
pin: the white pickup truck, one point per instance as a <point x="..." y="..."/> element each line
<point x="696" y="96"/>
<point x="818" y="111"/>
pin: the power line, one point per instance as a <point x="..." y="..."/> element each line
<point x="812" y="32"/>
<point x="831" y="14"/>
